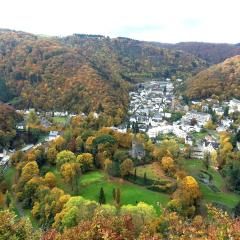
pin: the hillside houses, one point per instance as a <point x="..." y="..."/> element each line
<point x="153" y="103"/>
<point x="200" y="117"/>
<point x="149" y="102"/>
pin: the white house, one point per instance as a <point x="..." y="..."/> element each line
<point x="52" y="136"/>
<point x="4" y="160"/>
<point x="234" y="105"/>
<point x="3" y="153"/>
<point x="201" y="118"/>
<point x="220" y="129"/>
<point x="238" y="146"/>
<point x="167" y="115"/>
<point x="179" y="132"/>
<point x="226" y="122"/>
<point x="218" y="110"/>
<point x="189" y="140"/>
<point x="154" y="132"/>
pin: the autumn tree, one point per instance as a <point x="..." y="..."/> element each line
<point x="79" y="145"/>
<point x="214" y="157"/>
<point x="8" y="121"/>
<point x="52" y="155"/>
<point x="210" y="125"/>
<point x="75" y="210"/>
<point x="167" y="164"/>
<point x="69" y="172"/>
<point x="17" y="157"/>
<point x="50" y="179"/>
<point x="126" y="167"/>
<point x="115" y="227"/>
<point x="123" y="139"/>
<point x="108" y="167"/>
<point x="141" y="214"/>
<point x="225" y="148"/>
<point x="12" y="227"/>
<point x="60" y="143"/>
<point x="89" y="143"/>
<point x="29" y="170"/>
<point x="65" y="156"/>
<point x="86" y="161"/>
<point x="186" y="196"/>
<point x="166" y="148"/>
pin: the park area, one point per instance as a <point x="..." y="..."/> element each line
<point x="91" y="183"/>
<point x="215" y="192"/>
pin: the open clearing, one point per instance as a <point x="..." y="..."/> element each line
<point x="91" y="183"/>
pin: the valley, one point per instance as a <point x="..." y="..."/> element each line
<point x="96" y="129"/>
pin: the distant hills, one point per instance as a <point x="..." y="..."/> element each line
<point x="82" y="72"/>
<point x="212" y="53"/>
<point x="79" y="72"/>
<point x="222" y="80"/>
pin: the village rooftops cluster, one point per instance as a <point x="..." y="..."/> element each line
<point x="153" y="103"/>
<point x="150" y="103"/>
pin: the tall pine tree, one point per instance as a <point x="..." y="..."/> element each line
<point x="118" y="196"/>
<point x="102" y="199"/>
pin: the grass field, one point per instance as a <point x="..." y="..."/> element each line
<point x="60" y="120"/>
<point x="9" y="176"/>
<point x="153" y="171"/>
<point x="91" y="183"/>
<point x="226" y="198"/>
<point x="199" y="135"/>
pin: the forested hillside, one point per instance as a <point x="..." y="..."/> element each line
<point x="133" y="60"/>
<point x="8" y="120"/>
<point x="212" y="53"/>
<point x="79" y="72"/>
<point x="222" y="80"/>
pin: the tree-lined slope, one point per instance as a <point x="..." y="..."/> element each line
<point x="79" y="72"/>
<point x="213" y="53"/>
<point x="222" y="80"/>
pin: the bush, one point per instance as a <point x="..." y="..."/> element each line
<point x="168" y="188"/>
<point x="163" y="186"/>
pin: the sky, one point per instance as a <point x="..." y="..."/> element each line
<point x="151" y="20"/>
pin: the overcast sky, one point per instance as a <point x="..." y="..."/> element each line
<point x="152" y="20"/>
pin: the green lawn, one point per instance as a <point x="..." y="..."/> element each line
<point x="199" y="135"/>
<point x="9" y="176"/>
<point x="91" y="183"/>
<point x="153" y="171"/>
<point x="91" y="177"/>
<point x="226" y="198"/>
<point x="194" y="167"/>
<point x="60" y="120"/>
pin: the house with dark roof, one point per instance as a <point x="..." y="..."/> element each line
<point x="138" y="150"/>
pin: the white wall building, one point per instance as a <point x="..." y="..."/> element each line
<point x="234" y="106"/>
